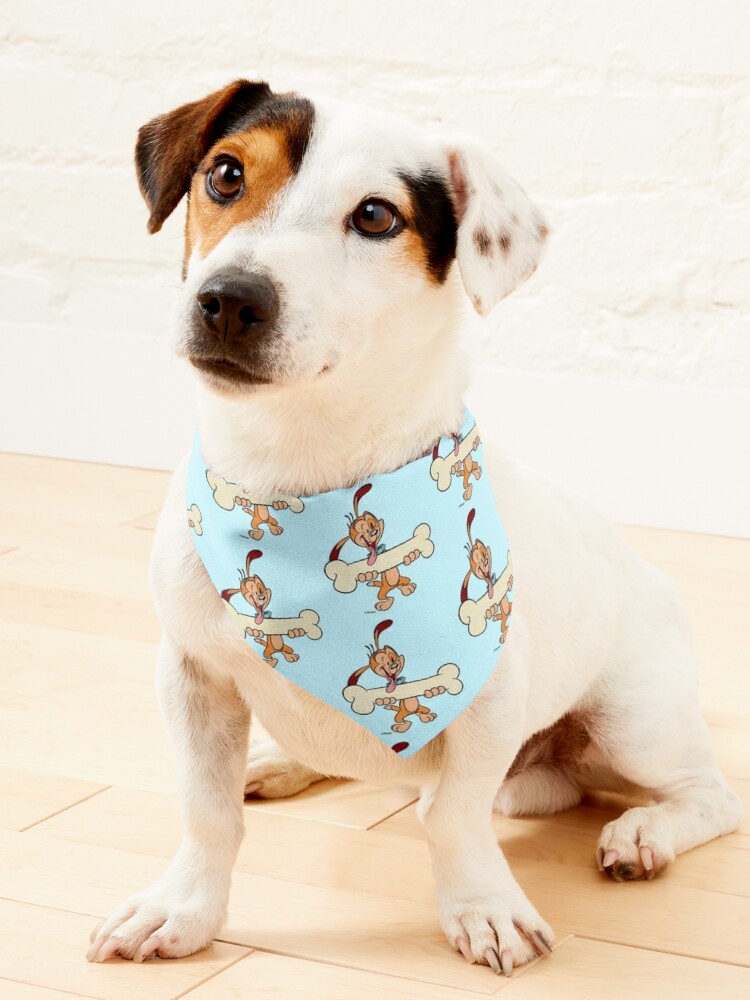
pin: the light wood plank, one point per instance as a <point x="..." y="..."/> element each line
<point x="355" y="804"/>
<point x="275" y="846"/>
<point x="18" y="527"/>
<point x="45" y="948"/>
<point x="27" y="798"/>
<point x="583" y="968"/>
<point x="147" y="522"/>
<point x="75" y="701"/>
<point x="85" y="491"/>
<point x="276" y="977"/>
<point x="26" y="991"/>
<point x="79" y="611"/>
<point x="392" y="859"/>
<point x="339" y="926"/>
<point x="54" y="566"/>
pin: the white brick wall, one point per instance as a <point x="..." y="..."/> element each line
<point x="628" y="121"/>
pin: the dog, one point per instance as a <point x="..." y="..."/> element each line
<point x="327" y="251"/>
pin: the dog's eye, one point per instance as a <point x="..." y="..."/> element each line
<point x="374" y="217"/>
<point x="224" y="182"/>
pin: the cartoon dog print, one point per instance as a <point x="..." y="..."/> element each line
<point x="261" y="516"/>
<point x="459" y="463"/>
<point x="480" y="566"/>
<point x="388" y="664"/>
<point x="466" y="467"/>
<point x="258" y="596"/>
<point x="366" y="531"/>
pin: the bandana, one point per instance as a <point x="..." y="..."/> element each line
<point x="389" y="601"/>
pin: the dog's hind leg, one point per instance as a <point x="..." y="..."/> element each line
<point x="538" y="791"/>
<point x="183" y="910"/>
<point x="272" y="774"/>
<point x="652" y="733"/>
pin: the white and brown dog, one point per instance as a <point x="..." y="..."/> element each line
<point x="319" y="307"/>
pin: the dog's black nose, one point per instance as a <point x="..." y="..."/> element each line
<point x="233" y="304"/>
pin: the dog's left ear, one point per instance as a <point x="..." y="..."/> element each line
<point x="501" y="234"/>
<point x="170" y="147"/>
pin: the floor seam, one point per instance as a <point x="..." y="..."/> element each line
<point x="71" y="805"/>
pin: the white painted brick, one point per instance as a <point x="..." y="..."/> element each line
<point x="629" y="123"/>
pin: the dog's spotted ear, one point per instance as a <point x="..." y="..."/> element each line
<point x="501" y="234"/>
<point x="170" y="147"/>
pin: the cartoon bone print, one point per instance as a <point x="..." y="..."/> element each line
<point x="381" y="567"/>
<point x="195" y="518"/>
<point x="458" y="463"/>
<point x="494" y="604"/>
<point x="228" y="494"/>
<point x="387" y="663"/>
<point x="269" y="632"/>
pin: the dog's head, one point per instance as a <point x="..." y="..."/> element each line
<point x="312" y="226"/>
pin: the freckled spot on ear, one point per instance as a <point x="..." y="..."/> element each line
<point x="458" y="183"/>
<point x="542" y="231"/>
<point x="482" y="242"/>
<point x="504" y="241"/>
<point x="514" y="218"/>
<point x="497" y="189"/>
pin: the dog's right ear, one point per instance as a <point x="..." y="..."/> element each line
<point x="170" y="147"/>
<point x="501" y="234"/>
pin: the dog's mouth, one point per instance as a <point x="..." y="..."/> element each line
<point x="226" y="371"/>
<point x="391" y="685"/>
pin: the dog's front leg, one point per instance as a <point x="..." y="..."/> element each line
<point x="184" y="909"/>
<point x="484" y="912"/>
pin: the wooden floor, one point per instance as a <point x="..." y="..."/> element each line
<point x="332" y="894"/>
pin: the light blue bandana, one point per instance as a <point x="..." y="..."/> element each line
<point x="389" y="601"/>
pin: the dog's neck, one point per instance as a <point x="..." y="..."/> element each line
<point x="338" y="429"/>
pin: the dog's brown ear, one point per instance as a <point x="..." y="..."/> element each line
<point x="501" y="234"/>
<point x="170" y="147"/>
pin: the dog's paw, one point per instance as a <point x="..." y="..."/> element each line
<point x="636" y="845"/>
<point x="497" y="931"/>
<point x="156" y="923"/>
<point x="272" y="774"/>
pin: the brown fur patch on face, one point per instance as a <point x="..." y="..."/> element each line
<point x="172" y="147"/>
<point x="504" y="241"/>
<point x="482" y="242"/>
<point x="263" y="154"/>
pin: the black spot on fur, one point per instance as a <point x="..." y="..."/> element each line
<point x="292" y="114"/>
<point x="482" y="242"/>
<point x="434" y="219"/>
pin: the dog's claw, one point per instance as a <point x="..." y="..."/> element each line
<point x="609" y="858"/>
<point x="541" y="943"/>
<point x="107" y="950"/>
<point x="95" y="933"/>
<point x="647" y="859"/>
<point x="493" y="961"/>
<point x="94" y="949"/>
<point x="149" y="949"/>
<point x="506" y="963"/>
<point x="463" y="947"/>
